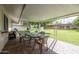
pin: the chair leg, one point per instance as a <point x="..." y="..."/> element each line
<point x="46" y="48"/>
<point x="30" y="41"/>
<point x="40" y="47"/>
<point x="34" y="44"/>
<point x="20" y="39"/>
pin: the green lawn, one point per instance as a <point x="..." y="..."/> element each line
<point x="70" y="36"/>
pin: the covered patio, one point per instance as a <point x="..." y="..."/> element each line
<point x="35" y="41"/>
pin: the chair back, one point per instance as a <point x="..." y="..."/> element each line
<point x="45" y="39"/>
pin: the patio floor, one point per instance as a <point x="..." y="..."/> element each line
<point x="14" y="47"/>
<point x="63" y="47"/>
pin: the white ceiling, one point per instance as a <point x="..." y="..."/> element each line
<point x="13" y="11"/>
<point x="39" y="12"/>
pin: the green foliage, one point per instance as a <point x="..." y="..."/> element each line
<point x="76" y="21"/>
<point x="43" y="22"/>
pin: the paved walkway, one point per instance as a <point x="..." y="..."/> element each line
<point x="63" y="47"/>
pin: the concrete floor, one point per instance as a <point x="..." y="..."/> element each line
<point x="64" y="47"/>
<point x="14" y="47"/>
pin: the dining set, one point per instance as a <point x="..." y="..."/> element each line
<point x="38" y="38"/>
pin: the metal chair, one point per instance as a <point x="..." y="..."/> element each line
<point x="41" y="42"/>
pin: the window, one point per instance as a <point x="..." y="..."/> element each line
<point x="5" y="23"/>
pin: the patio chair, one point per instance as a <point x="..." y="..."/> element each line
<point x="42" y="42"/>
<point x="26" y="40"/>
<point x="23" y="37"/>
<point x="12" y="35"/>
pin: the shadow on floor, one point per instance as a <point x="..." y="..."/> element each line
<point x="15" y="47"/>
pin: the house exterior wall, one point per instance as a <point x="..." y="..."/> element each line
<point x="1" y="19"/>
<point x="9" y="24"/>
<point x="3" y="36"/>
<point x="63" y="26"/>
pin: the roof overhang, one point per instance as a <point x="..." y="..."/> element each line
<point x="41" y="12"/>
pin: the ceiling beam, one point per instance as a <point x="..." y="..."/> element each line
<point x="22" y="12"/>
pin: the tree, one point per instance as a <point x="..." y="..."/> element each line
<point x="76" y="21"/>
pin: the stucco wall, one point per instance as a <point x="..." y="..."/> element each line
<point x="9" y="24"/>
<point x="1" y="19"/>
<point x="4" y="36"/>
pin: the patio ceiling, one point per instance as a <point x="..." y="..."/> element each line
<point x="40" y="12"/>
<point x="13" y="11"/>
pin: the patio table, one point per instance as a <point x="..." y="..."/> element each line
<point x="37" y="37"/>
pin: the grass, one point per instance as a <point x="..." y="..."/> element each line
<point x="70" y="36"/>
